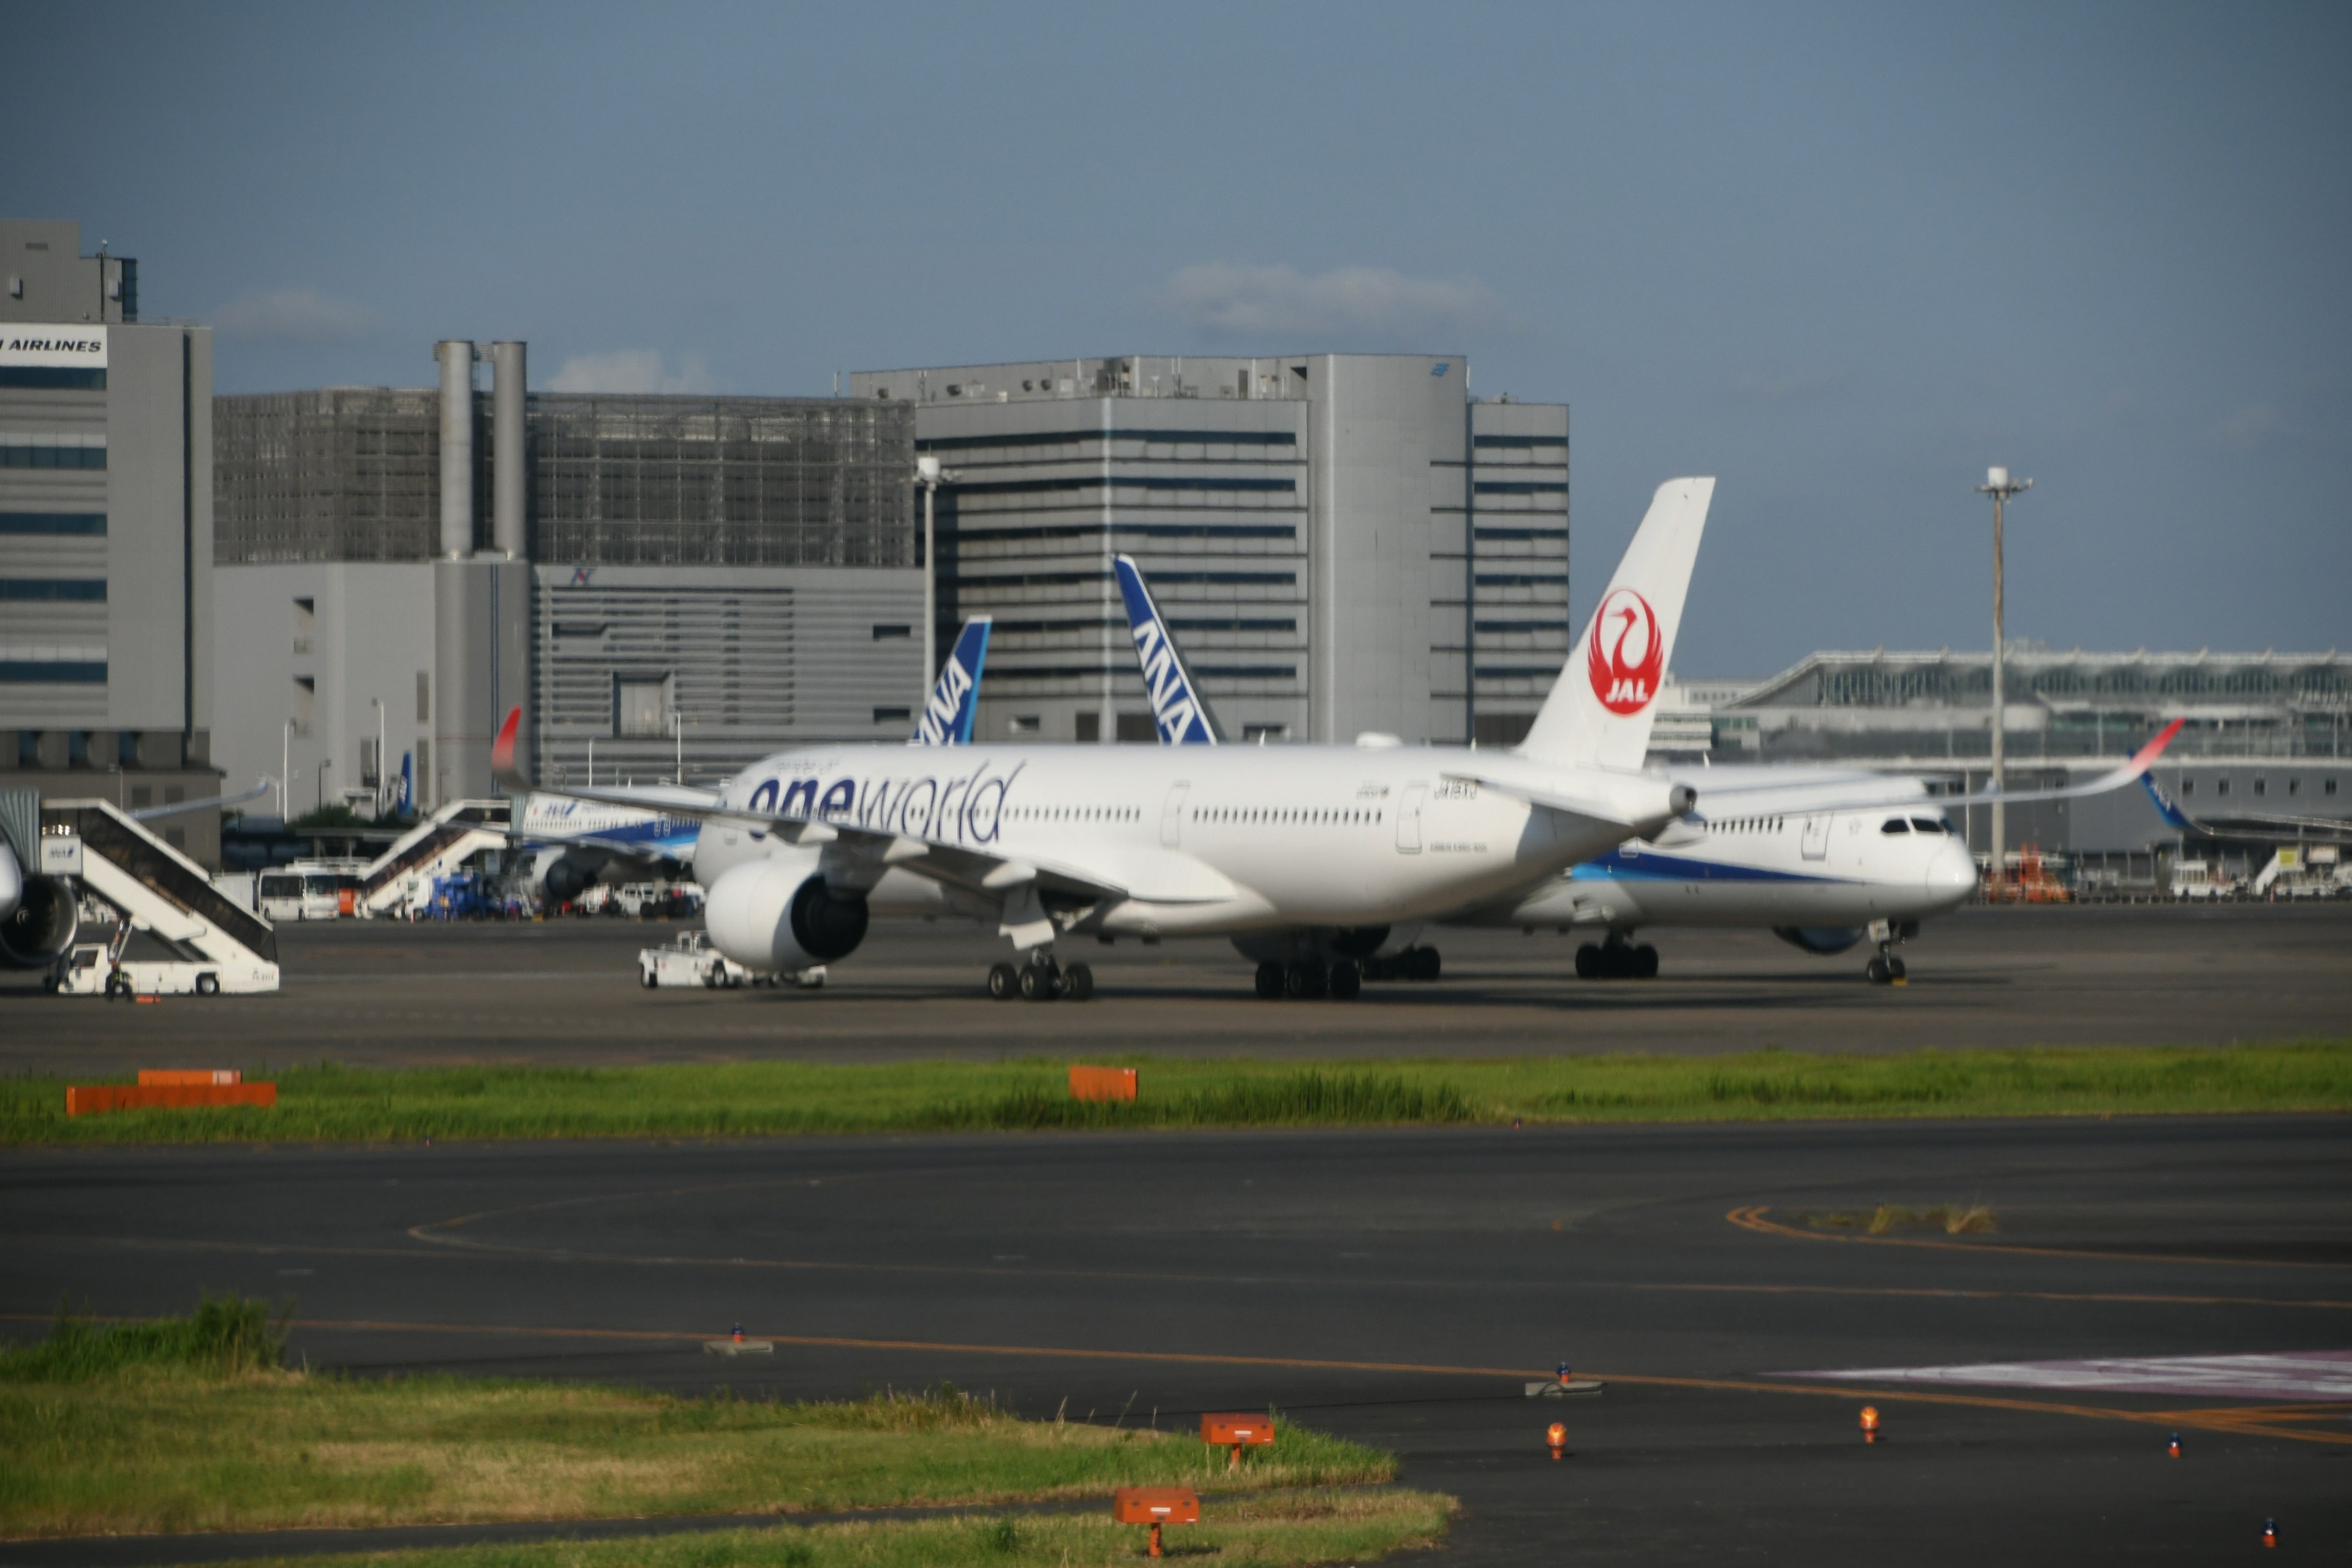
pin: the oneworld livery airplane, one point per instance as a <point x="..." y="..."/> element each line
<point x="1795" y="853"/>
<point x="800" y="850"/>
<point x="580" y="842"/>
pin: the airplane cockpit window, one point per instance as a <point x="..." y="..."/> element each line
<point x="1930" y="825"/>
<point x="1894" y="825"/>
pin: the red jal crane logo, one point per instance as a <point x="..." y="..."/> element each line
<point x="1627" y="655"/>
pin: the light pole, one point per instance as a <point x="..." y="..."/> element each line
<point x="286" y="773"/>
<point x="2001" y="486"/>
<point x="379" y="756"/>
<point x="931" y="476"/>
<point x="324" y="764"/>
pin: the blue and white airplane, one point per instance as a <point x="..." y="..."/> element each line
<point x="1820" y="856"/>
<point x="583" y="842"/>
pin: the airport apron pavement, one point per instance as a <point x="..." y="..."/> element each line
<point x="1398" y="1286"/>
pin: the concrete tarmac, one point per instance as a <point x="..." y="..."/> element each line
<point x="1398" y="1286"/>
<point x="370" y="992"/>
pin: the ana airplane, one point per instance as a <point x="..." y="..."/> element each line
<point x="580" y="842"/>
<point x="799" y="851"/>
<point x="1819" y="857"/>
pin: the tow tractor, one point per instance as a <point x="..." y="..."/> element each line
<point x="690" y="959"/>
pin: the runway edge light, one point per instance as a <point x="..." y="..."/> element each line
<point x="1870" y="1423"/>
<point x="2172" y="1448"/>
<point x="2270" y="1533"/>
<point x="1555" y="1439"/>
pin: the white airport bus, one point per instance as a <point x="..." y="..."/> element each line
<point x="311" y="890"/>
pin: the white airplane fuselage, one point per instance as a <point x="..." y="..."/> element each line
<point x="1201" y="842"/>
<point x="1777" y="865"/>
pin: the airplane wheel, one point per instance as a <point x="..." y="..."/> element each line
<point x="1588" y="962"/>
<point x="1306" y="977"/>
<point x="1003" y="981"/>
<point x="1347" y="980"/>
<point x="1894" y="970"/>
<point x="207" y="984"/>
<point x="1425" y="963"/>
<point x="1036" y="983"/>
<point x="1078" y="982"/>
<point x="1269" y="980"/>
<point x="1645" y="962"/>
<point x="1876" y="971"/>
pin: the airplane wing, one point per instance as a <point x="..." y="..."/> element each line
<point x="2244" y="825"/>
<point x="173" y="808"/>
<point x="955" y="700"/>
<point x="1177" y="706"/>
<point x="959" y="865"/>
<point x="1861" y="797"/>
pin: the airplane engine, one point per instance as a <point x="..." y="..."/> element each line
<point x="777" y="914"/>
<point x="568" y="876"/>
<point x="1821" y="940"/>
<point x="41" y="919"/>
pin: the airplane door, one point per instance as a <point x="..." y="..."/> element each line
<point x="1816" y="846"/>
<point x="1171" y="815"/>
<point x="1409" y="818"/>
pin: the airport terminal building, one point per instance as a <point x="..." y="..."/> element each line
<point x="2268" y="735"/>
<point x="106" y="536"/>
<point x="1342" y="543"/>
<point x="648" y="576"/>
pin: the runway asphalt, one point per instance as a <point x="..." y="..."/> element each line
<point x="1395" y="1286"/>
<point x="368" y="992"/>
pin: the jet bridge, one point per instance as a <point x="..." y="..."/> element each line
<point x="403" y="874"/>
<point x="216" y="943"/>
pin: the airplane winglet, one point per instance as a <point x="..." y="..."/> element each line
<point x="2145" y="758"/>
<point x="502" y="755"/>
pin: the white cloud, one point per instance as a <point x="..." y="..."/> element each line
<point x="1372" y="300"/>
<point x="632" y="370"/>
<point x="296" y="315"/>
<point x="2249" y="428"/>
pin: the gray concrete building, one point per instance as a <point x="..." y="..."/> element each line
<point x="719" y="576"/>
<point x="106" y="546"/>
<point x="2268" y="736"/>
<point x="1343" y="543"/>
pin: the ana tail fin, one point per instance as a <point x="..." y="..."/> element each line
<point x="1599" y="711"/>
<point x="1177" y="706"/>
<point x="955" y="700"/>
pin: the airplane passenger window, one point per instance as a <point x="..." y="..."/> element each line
<point x="1894" y="825"/>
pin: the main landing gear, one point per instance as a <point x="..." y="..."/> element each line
<point x="1616" y="959"/>
<point x="1309" y="978"/>
<point x="1884" y="968"/>
<point x="1041" y="980"/>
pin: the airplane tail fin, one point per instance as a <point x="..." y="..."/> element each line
<point x="1177" y="706"/>
<point x="1600" y="708"/>
<point x="955" y="700"/>
<point x="2167" y="807"/>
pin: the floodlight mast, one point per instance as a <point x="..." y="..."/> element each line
<point x="931" y="476"/>
<point x="2001" y="486"/>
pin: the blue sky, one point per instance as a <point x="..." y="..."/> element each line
<point x="1840" y="257"/>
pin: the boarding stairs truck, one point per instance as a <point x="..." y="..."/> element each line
<point x="2301" y="871"/>
<point x="402" y="876"/>
<point x="216" y="945"/>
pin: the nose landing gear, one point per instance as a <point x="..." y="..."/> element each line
<point x="1309" y="978"/>
<point x="1884" y="968"/>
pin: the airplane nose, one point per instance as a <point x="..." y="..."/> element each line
<point x="1952" y="872"/>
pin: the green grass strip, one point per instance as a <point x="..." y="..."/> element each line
<point x="180" y="1428"/>
<point x="1270" y="1533"/>
<point x="330" y="1102"/>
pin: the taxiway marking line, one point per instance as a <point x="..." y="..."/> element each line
<point x="1751" y="1217"/>
<point x="1195" y="1358"/>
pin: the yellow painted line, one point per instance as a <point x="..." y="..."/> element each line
<point x="1189" y="1358"/>
<point x="1752" y="1218"/>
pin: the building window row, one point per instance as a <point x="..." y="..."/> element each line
<point x="1076" y="437"/>
<point x="1142" y="529"/>
<point x="86" y="524"/>
<point x="78" y="590"/>
<point x="53" y="672"/>
<point x="52" y="378"/>
<point x="1126" y="482"/>
<point x="21" y="450"/>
